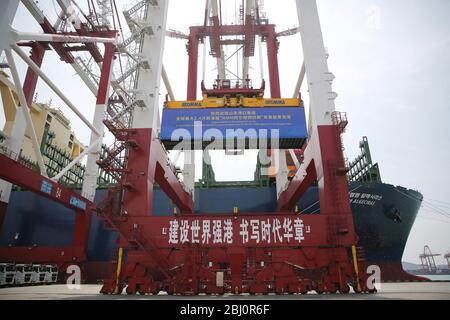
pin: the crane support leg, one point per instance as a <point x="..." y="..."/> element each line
<point x="149" y="164"/>
<point x="91" y="173"/>
<point x="193" y="65"/>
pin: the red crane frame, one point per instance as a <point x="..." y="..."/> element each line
<point x="321" y="261"/>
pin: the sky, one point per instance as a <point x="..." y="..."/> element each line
<point x="391" y="59"/>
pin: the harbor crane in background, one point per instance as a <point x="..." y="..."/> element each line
<point x="427" y="260"/>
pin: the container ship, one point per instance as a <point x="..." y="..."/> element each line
<point x="383" y="213"/>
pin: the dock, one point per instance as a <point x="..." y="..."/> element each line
<point x="387" y="291"/>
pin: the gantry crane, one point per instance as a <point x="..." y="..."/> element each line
<point x="191" y="252"/>
<point x="427" y="260"/>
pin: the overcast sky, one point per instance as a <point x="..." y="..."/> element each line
<point x="391" y="59"/>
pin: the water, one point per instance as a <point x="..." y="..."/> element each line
<point x="434" y="277"/>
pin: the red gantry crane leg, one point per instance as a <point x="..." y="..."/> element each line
<point x="189" y="253"/>
<point x="282" y="252"/>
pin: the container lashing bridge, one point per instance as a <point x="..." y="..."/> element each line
<point x="194" y="252"/>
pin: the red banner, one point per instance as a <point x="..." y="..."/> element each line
<point x="249" y="231"/>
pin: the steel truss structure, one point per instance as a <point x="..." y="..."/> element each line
<point x="64" y="43"/>
<point x="293" y="253"/>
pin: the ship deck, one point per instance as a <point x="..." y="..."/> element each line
<point x="387" y="291"/>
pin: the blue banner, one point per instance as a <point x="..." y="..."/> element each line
<point x="287" y="124"/>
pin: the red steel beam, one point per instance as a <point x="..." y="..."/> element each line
<point x="148" y="163"/>
<point x="249" y="35"/>
<point x="231" y="42"/>
<point x="92" y="48"/>
<point x="232" y="30"/>
<point x="193" y="63"/>
<point x="267" y="31"/>
<point x="272" y="55"/>
<point x="58" y="47"/>
<point x="297" y="187"/>
<point x="325" y="163"/>
<point x="22" y="176"/>
<point x="29" y="86"/>
<point x="61" y="49"/>
<point x="105" y="78"/>
<point x="16" y="173"/>
<point x="199" y="32"/>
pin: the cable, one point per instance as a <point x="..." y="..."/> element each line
<point x="433" y="219"/>
<point x="60" y="15"/>
<point x="445" y="202"/>
<point x="437" y="209"/>
<point x="430" y="207"/>
<point x="430" y="212"/>
<point x="319" y="201"/>
<point x="440" y="204"/>
<point x="426" y="204"/>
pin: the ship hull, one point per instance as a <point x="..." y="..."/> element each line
<point x="383" y="217"/>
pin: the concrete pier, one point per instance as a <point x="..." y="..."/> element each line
<point x="387" y="291"/>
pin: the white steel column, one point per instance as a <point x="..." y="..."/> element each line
<point x="315" y="57"/>
<point x="260" y="57"/>
<point x="32" y="36"/>
<point x="95" y="146"/>
<point x="148" y="85"/>
<point x="167" y="83"/>
<point x="246" y="60"/>
<point x="26" y="113"/>
<point x="91" y="171"/>
<point x="319" y="80"/>
<point x="189" y="171"/>
<point x="281" y="170"/>
<point x="221" y="60"/>
<point x="264" y="161"/>
<point x="85" y="78"/>
<point x="294" y="158"/>
<point x="13" y="143"/>
<point x="8" y="10"/>
<point x="300" y="79"/>
<point x="204" y="55"/>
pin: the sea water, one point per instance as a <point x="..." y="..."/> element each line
<point x="438" y="277"/>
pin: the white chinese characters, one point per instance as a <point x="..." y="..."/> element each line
<point x="285" y="230"/>
<point x="272" y="230"/>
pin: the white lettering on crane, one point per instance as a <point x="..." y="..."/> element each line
<point x="251" y="231"/>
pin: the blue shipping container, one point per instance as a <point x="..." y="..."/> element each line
<point x="231" y="127"/>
